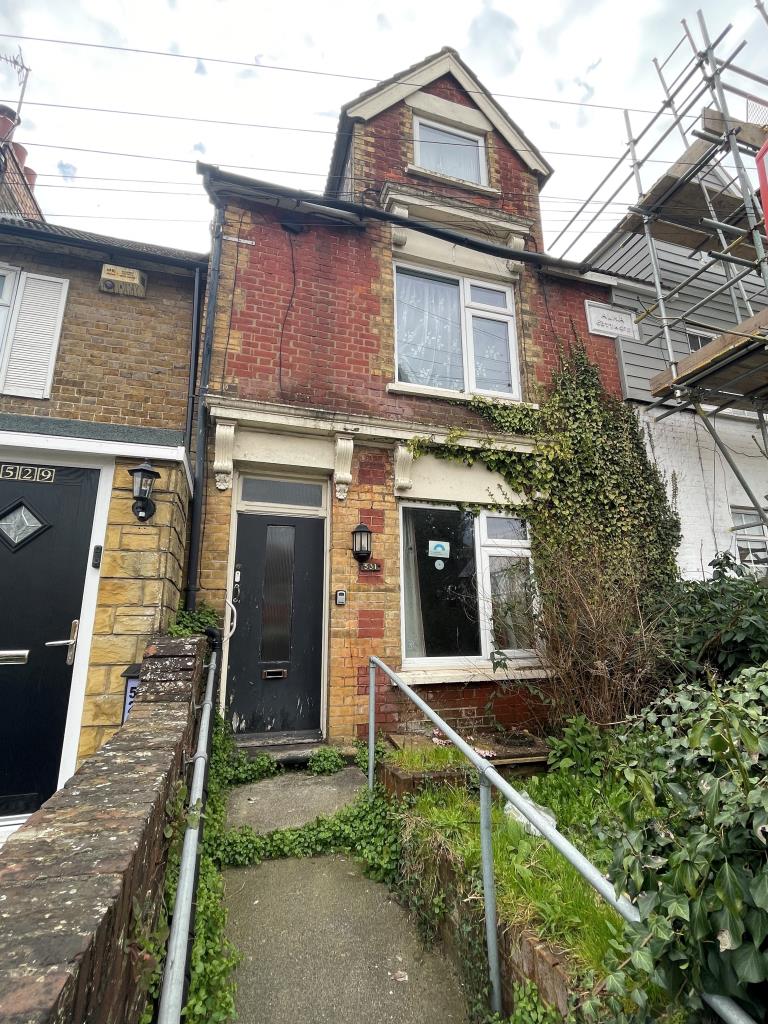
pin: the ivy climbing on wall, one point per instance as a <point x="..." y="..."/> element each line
<point x="603" y="533"/>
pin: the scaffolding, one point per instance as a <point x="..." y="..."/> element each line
<point x="706" y="203"/>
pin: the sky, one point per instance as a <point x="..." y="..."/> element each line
<point x="555" y="67"/>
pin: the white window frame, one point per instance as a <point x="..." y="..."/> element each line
<point x="8" y="301"/>
<point x="759" y="538"/>
<point x="698" y="334"/>
<point x="468" y="309"/>
<point x="484" y="548"/>
<point x="479" y="140"/>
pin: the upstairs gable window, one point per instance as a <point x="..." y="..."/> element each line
<point x="451" y="152"/>
<point x="455" y="334"/>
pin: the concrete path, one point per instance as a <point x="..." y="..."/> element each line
<point x="292" y="799"/>
<point x="320" y="943"/>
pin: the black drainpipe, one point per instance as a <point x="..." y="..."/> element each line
<point x="194" y="355"/>
<point x="195" y="531"/>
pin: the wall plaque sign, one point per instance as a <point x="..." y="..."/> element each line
<point x="610" y="321"/>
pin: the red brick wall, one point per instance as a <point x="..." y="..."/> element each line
<point x="465" y="706"/>
<point x="323" y="336"/>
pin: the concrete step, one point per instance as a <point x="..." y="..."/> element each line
<point x="291" y="753"/>
<point x="293" y="799"/>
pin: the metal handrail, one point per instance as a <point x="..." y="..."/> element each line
<point x="172" y="991"/>
<point x="726" y="1008"/>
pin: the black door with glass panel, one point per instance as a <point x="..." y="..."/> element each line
<point x="46" y="516"/>
<point x="275" y="654"/>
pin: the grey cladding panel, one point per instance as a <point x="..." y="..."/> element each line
<point x="641" y="360"/>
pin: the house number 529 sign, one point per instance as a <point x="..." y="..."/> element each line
<point x="34" y="474"/>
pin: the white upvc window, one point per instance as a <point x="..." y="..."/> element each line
<point x="31" y="314"/>
<point x="696" y="340"/>
<point x="455" y="334"/>
<point x="449" y="151"/>
<point x="751" y="537"/>
<point x="467" y="586"/>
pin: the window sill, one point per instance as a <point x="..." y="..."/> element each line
<point x="446" y="179"/>
<point x="402" y="388"/>
<point x="524" y="667"/>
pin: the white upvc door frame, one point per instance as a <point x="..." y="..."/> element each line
<point x="105" y="466"/>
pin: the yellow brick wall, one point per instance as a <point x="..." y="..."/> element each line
<point x="139" y="591"/>
<point x="373" y="488"/>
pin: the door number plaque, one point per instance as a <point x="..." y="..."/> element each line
<point x="34" y="474"/>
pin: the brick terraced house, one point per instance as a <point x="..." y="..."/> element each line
<point x="342" y="328"/>
<point x="96" y="339"/>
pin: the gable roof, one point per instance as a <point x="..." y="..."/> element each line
<point x="396" y="89"/>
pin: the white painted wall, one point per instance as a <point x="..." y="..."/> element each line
<point x="706" y="485"/>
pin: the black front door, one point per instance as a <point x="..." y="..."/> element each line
<point x="46" y="516"/>
<point x="275" y="655"/>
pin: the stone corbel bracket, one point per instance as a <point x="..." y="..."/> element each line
<point x="342" y="466"/>
<point x="399" y="234"/>
<point x="403" y="466"/>
<point x="222" y="457"/>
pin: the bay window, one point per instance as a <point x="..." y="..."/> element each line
<point x="455" y="334"/>
<point x="467" y="585"/>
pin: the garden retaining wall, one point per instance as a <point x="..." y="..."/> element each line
<point x="73" y="877"/>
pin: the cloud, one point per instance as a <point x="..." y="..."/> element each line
<point x="247" y="73"/>
<point x="492" y="36"/>
<point x="326" y="113"/>
<point x="199" y="147"/>
<point x="174" y="48"/>
<point x="549" y="36"/>
<point x="200" y="68"/>
<point x="595" y="65"/>
<point x="67" y="171"/>
<point x="589" y="90"/>
<point x="555" y="125"/>
<point x="382" y="22"/>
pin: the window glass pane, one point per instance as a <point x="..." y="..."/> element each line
<point x="697" y="341"/>
<point x="742" y="517"/>
<point x="439" y="593"/>
<point x="490" y="339"/>
<point x="511" y="599"/>
<point x="505" y="528"/>
<point x="277" y="594"/>
<point x="429" y="331"/>
<point x="448" y="153"/>
<point x="282" y="492"/>
<point x="753" y="554"/>
<point x="488" y="296"/>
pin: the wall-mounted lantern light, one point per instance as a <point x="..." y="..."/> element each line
<point x="144" y="477"/>
<point x="361" y="542"/>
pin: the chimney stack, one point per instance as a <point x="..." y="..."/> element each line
<point x="9" y="122"/>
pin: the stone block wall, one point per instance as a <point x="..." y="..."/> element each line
<point x="139" y="591"/>
<point x="72" y="875"/>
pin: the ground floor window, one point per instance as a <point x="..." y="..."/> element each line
<point x="751" y="540"/>
<point x="466" y="583"/>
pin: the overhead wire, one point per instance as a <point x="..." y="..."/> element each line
<point x="258" y="65"/>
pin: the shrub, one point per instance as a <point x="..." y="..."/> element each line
<point x="694" y="847"/>
<point x="720" y="623"/>
<point x="194" y="623"/>
<point x="603" y="649"/>
<point x="326" y="761"/>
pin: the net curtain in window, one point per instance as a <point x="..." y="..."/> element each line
<point x="429" y="331"/>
